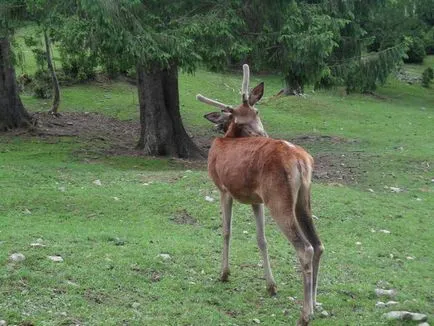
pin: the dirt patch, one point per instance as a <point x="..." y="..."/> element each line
<point x="338" y="169"/>
<point x="183" y="217"/>
<point x="103" y="135"/>
<point x="310" y="139"/>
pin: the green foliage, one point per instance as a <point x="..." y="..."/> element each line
<point x="427" y="77"/>
<point x="429" y="41"/>
<point x="42" y="85"/>
<point x="416" y="52"/>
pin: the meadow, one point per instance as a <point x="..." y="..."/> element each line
<point x="141" y="245"/>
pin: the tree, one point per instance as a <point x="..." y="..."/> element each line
<point x="293" y="37"/>
<point x="157" y="38"/>
<point x="12" y="112"/>
<point x="44" y="14"/>
<point x="361" y="60"/>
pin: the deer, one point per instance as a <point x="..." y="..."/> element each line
<point x="248" y="166"/>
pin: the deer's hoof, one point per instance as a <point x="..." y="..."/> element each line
<point x="224" y="277"/>
<point x="303" y="321"/>
<point x="272" y="289"/>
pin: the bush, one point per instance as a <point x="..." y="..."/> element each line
<point x="427" y="77"/>
<point x="41" y="84"/>
<point x="416" y="51"/>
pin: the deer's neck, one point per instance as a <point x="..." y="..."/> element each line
<point x="236" y="131"/>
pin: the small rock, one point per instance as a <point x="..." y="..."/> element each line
<point x="3" y="323"/>
<point x="384" y="231"/>
<point x="209" y="199"/>
<point x="245" y="232"/>
<point x="371" y="190"/>
<point x="418" y="317"/>
<point x="380" y="304"/>
<point x="315" y="217"/>
<point x="405" y="315"/>
<point x="37" y="245"/>
<point x="27" y="212"/>
<point x="62" y="189"/>
<point x="116" y="198"/>
<point x="358" y="243"/>
<point x="165" y="256"/>
<point x="395" y="189"/>
<point x="391" y="303"/>
<point x="324" y="314"/>
<point x="410" y="257"/>
<point x="380" y="292"/>
<point x="421" y="324"/>
<point x="97" y="182"/>
<point x="256" y="320"/>
<point x="418" y="199"/>
<point x="56" y="259"/>
<point x="17" y="257"/>
<point x="135" y="305"/>
<point x="71" y="283"/>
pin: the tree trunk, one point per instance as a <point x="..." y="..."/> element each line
<point x="55" y="81"/>
<point x="293" y="86"/>
<point x="162" y="132"/>
<point x="12" y="112"/>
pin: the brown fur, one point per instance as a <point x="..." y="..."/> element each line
<point x="253" y="169"/>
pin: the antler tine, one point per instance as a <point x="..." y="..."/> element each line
<point x="212" y="102"/>
<point x="245" y="85"/>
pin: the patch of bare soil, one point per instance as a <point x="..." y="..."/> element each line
<point x="337" y="169"/>
<point x="183" y="217"/>
<point x="105" y="135"/>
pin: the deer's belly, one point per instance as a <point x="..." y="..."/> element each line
<point x="245" y="196"/>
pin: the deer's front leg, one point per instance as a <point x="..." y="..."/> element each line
<point x="226" y="208"/>
<point x="258" y="210"/>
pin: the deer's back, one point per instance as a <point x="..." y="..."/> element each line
<point x="253" y="168"/>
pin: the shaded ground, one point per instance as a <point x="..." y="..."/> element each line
<point x="101" y="134"/>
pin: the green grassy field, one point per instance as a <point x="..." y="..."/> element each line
<point x="111" y="235"/>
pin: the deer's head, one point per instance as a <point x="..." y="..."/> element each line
<point x="242" y="120"/>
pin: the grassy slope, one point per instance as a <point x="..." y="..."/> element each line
<point x="111" y="246"/>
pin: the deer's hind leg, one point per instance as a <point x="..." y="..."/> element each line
<point x="284" y="214"/>
<point x="258" y="210"/>
<point x="305" y="221"/>
<point x="226" y="210"/>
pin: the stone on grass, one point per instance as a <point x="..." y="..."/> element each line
<point x="389" y="293"/>
<point x="17" y="257"/>
<point x="209" y="199"/>
<point x="165" y="256"/>
<point x="324" y="314"/>
<point x="38" y="243"/>
<point x="256" y="320"/>
<point x="423" y="324"/>
<point x="135" y="305"/>
<point x="97" y="182"/>
<point x="391" y="303"/>
<point x="405" y="315"/>
<point x="56" y="259"/>
<point x="3" y="323"/>
<point x="380" y="304"/>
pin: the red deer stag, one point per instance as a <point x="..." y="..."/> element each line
<point x="248" y="166"/>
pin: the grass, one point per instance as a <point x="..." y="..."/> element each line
<point x="111" y="236"/>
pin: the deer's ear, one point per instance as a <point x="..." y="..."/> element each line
<point x="217" y="117"/>
<point x="256" y="94"/>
